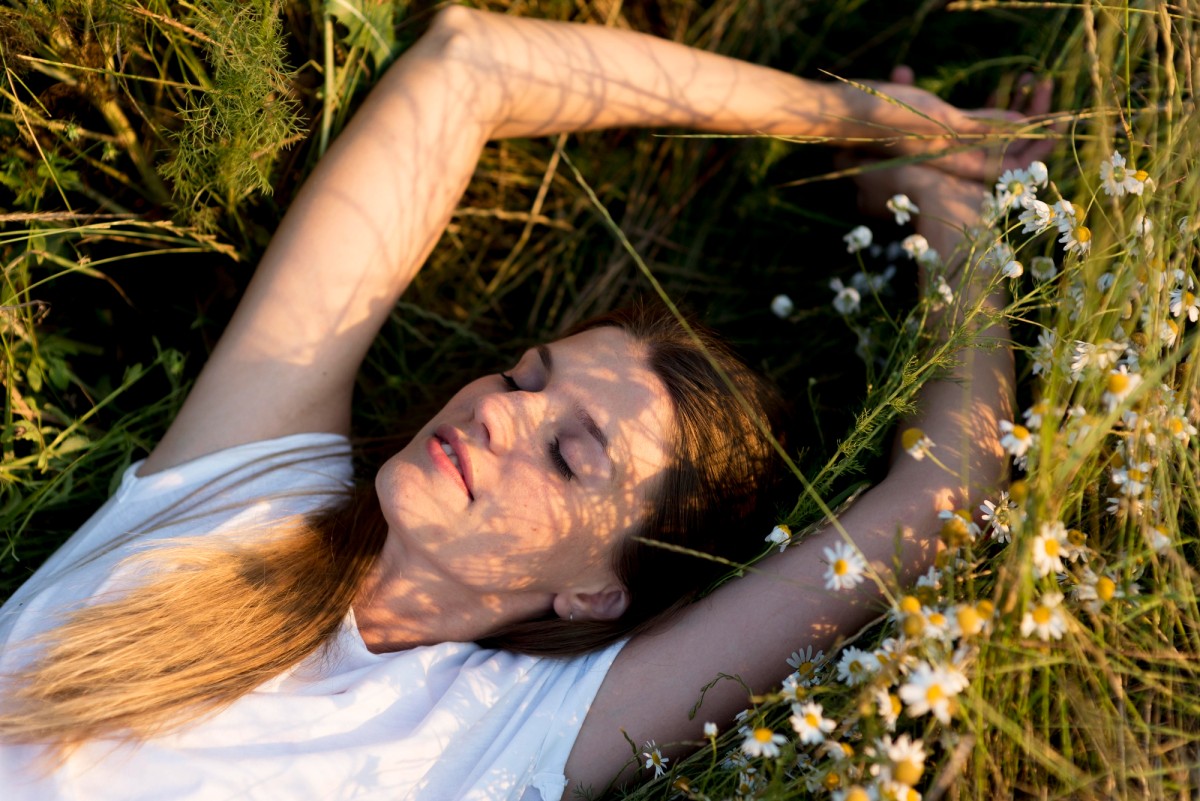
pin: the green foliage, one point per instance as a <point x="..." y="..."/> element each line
<point x="233" y="129"/>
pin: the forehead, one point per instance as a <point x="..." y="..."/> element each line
<point x="607" y="372"/>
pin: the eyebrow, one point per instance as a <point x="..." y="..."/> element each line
<point x="586" y="420"/>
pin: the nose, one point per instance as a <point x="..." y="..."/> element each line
<point x="510" y="417"/>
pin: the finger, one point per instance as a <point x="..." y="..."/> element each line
<point x="902" y="73"/>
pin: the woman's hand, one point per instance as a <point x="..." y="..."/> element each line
<point x="997" y="131"/>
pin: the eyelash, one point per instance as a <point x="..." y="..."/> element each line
<point x="556" y="456"/>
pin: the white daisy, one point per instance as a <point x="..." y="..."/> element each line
<point x="856" y="666"/>
<point x="999" y="517"/>
<point x="847" y="299"/>
<point x="710" y="730"/>
<point x="1014" y="188"/>
<point x="655" y="759"/>
<point x="1042" y="268"/>
<point x="1012" y="269"/>
<point x="943" y="290"/>
<point x="1049" y="547"/>
<point x="845" y="567"/>
<point x="1132" y="478"/>
<point x="1077" y="239"/>
<point x="932" y="689"/>
<point x="1037" y="217"/>
<point x="859" y="237"/>
<point x="1113" y="175"/>
<point x="915" y="443"/>
<point x="915" y="245"/>
<point x="782" y="306"/>
<point x="1043" y="353"/>
<point x="1037" y="173"/>
<point x="1046" y="618"/>
<point x="781" y="535"/>
<point x="811" y="724"/>
<point x="1015" y="439"/>
<point x="1158" y="539"/>
<point x="762" y="742"/>
<point x="1094" y="590"/>
<point x="1117" y="387"/>
<point x="805" y="663"/>
<point x="888" y="706"/>
<point x="1065" y="215"/>
<point x="1183" y="302"/>
<point x="907" y="757"/>
<point x="902" y="207"/>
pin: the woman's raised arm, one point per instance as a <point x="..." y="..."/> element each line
<point x="379" y="200"/>
<point x="747" y="627"/>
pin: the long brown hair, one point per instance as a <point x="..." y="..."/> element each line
<point x="220" y="618"/>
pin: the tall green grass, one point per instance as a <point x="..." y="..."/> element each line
<point x="148" y="149"/>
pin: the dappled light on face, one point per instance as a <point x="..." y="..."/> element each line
<point x="510" y="497"/>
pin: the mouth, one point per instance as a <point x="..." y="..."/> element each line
<point x="448" y="453"/>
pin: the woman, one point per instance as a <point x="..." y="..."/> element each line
<point x="509" y="519"/>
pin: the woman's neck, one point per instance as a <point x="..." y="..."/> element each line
<point x="404" y="603"/>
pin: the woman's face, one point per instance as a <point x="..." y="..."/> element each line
<point x="526" y="485"/>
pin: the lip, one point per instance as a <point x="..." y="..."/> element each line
<point x="451" y="437"/>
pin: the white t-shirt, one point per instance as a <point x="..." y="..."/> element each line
<point x="434" y="723"/>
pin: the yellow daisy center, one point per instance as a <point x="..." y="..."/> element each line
<point x="1052" y="548"/>
<point x="805" y="667"/>
<point x="1018" y="491"/>
<point x="841" y="567"/>
<point x="1083" y="234"/>
<point x="1020" y="432"/>
<point x="910" y="605"/>
<point x="895" y="702"/>
<point x="831" y="781"/>
<point x="1041" y="615"/>
<point x="1175" y="424"/>
<point x="911" y="437"/>
<point x="985" y="608"/>
<point x="857" y="793"/>
<point x="1136" y="475"/>
<point x="1174" y="328"/>
<point x="1141" y="175"/>
<point x="937" y="619"/>
<point x="969" y="620"/>
<point x="908" y="772"/>
<point x="1188" y="299"/>
<point x="763" y="735"/>
<point x="1118" y="383"/>
<point x="1106" y="588"/>
<point x="914" y="625"/>
<point x="934" y="693"/>
<point x="1076" y="537"/>
<point x="812" y="720"/>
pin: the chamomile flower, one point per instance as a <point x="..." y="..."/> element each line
<point x="930" y="259"/>
<point x="1157" y="539"/>
<point x="811" y="725"/>
<point x="1046" y="619"/>
<point x="958" y="528"/>
<point x="781" y="535"/>
<point x="1016" y="439"/>
<point x="1066" y="214"/>
<point x="846" y="567"/>
<point x="1049" y="547"/>
<point x="943" y="290"/>
<point x="915" y="443"/>
<point x="1037" y="217"/>
<point x="1183" y="302"/>
<point x="1037" y="173"/>
<point x="1042" y="268"/>
<point x="966" y="621"/>
<point x="1013" y="189"/>
<point x="1139" y="181"/>
<point x="856" y="666"/>
<point x="902" y="207"/>
<point x="762" y="742"/>
<point x="782" y="306"/>
<point x="1114" y="176"/>
<point x="907" y="757"/>
<point x="1012" y="269"/>
<point x="847" y="299"/>
<point x="1094" y="590"/>
<point x="859" y="238"/>
<point x="1117" y="387"/>
<point x="856" y="792"/>
<point x="805" y="662"/>
<point x="1132" y="478"/>
<point x="999" y="517"/>
<point x="1168" y="332"/>
<point x="888" y="706"/>
<point x="654" y="759"/>
<point x="1077" y="239"/>
<point x="1179" y="426"/>
<point x="710" y="730"/>
<point x="914" y="245"/>
<point x="1043" y="353"/>
<point x="931" y="689"/>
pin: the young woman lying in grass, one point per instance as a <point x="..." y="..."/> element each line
<point x="483" y="617"/>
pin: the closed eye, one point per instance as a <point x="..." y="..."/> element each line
<point x="510" y="383"/>
<point x="556" y="457"/>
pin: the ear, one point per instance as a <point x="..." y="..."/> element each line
<point x="608" y="603"/>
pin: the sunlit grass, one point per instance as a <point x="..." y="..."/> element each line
<point x="116" y="182"/>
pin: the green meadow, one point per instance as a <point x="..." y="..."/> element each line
<point x="149" y="148"/>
